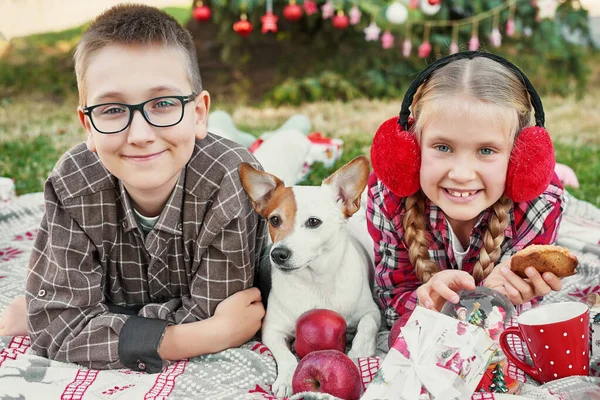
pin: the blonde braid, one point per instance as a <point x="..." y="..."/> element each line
<point x="492" y="239"/>
<point x="416" y="238"/>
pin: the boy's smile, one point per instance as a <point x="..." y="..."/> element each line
<point x="464" y="160"/>
<point x="147" y="159"/>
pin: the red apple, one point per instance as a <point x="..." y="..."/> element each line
<point x="320" y="329"/>
<point x="328" y="371"/>
<point x="395" y="331"/>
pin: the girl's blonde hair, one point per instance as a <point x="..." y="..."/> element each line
<point x="482" y="81"/>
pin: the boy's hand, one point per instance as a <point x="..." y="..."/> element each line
<point x="14" y="318"/>
<point x="443" y="286"/>
<point x="240" y="316"/>
<point x="517" y="289"/>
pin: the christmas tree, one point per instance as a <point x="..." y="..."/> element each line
<point x="299" y="50"/>
<point x="477" y="316"/>
<point x="498" y="384"/>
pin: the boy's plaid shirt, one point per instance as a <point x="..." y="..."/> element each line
<point x="534" y="222"/>
<point x="101" y="294"/>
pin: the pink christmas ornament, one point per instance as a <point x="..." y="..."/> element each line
<point x="406" y="47"/>
<point x="413" y="4"/>
<point x="269" y="22"/>
<point x="328" y="10"/>
<point x="372" y="32"/>
<point x="354" y="15"/>
<point x="453" y="47"/>
<point x="310" y="7"/>
<point x="510" y="27"/>
<point x="474" y="43"/>
<point x="387" y="40"/>
<point x="424" y="49"/>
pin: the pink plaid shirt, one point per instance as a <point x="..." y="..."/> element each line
<point x="534" y="222"/>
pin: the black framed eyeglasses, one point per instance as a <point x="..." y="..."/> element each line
<point x="162" y="112"/>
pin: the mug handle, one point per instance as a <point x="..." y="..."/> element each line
<point x="513" y="330"/>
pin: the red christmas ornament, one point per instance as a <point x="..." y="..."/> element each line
<point x="269" y="22"/>
<point x="434" y="2"/>
<point x="293" y="11"/>
<point x="201" y="13"/>
<point x="243" y="27"/>
<point x="340" y="20"/>
<point x="425" y="49"/>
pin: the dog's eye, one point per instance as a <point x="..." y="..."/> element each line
<point x="274" y="221"/>
<point x="313" y="222"/>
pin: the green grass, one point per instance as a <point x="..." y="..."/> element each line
<point x="29" y="161"/>
<point x="585" y="161"/>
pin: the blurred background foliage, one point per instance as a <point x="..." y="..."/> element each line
<point x="309" y="59"/>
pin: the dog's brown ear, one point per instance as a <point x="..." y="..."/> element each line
<point x="349" y="182"/>
<point x="259" y="185"/>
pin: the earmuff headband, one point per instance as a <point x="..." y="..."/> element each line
<point x="536" y="102"/>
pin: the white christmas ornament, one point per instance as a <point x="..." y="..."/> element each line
<point x="547" y="8"/>
<point x="372" y="32"/>
<point x="428" y="9"/>
<point x="496" y="37"/>
<point x="396" y="13"/>
<point x="527" y="31"/>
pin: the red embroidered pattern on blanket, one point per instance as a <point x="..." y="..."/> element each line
<point x="9" y="253"/>
<point x="76" y="389"/>
<point x="165" y="382"/>
<point x="18" y="345"/>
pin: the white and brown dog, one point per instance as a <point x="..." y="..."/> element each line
<point x="320" y="258"/>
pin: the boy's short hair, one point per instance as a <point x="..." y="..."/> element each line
<point x="134" y="24"/>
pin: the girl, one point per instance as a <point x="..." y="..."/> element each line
<point x="484" y="187"/>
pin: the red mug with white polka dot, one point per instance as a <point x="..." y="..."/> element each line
<point x="558" y="338"/>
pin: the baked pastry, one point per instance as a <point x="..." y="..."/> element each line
<point x="555" y="259"/>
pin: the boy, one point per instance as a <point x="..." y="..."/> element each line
<point x="148" y="241"/>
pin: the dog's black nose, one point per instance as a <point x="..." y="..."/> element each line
<point x="280" y="255"/>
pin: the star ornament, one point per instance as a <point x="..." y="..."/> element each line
<point x="372" y="32"/>
<point x="547" y="8"/>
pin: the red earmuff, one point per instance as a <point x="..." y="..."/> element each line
<point x="396" y="158"/>
<point x="531" y="164"/>
<point x="396" y="155"/>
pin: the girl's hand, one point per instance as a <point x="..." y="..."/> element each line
<point x="443" y="286"/>
<point x="520" y="290"/>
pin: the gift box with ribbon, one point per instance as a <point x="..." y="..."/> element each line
<point x="435" y="356"/>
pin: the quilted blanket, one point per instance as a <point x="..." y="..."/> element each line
<point x="248" y="371"/>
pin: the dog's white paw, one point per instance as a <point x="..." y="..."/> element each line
<point x="282" y="387"/>
<point x="362" y="348"/>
